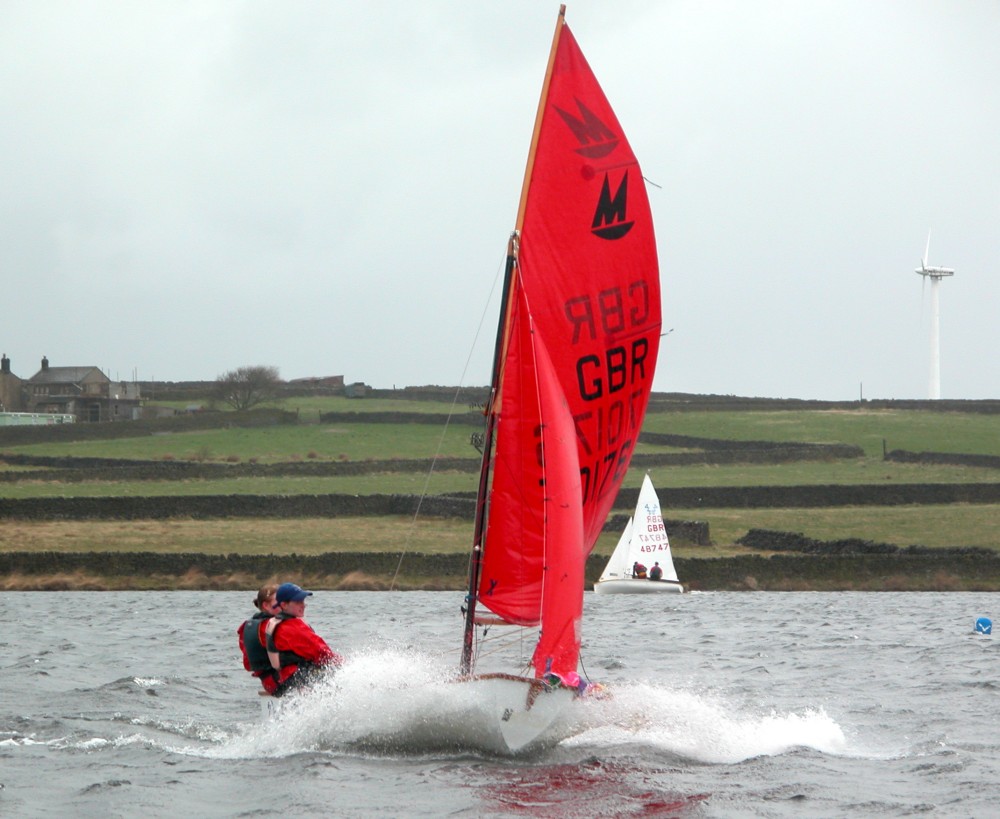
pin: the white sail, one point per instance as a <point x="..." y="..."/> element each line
<point x="649" y="543"/>
<point x="620" y="564"/>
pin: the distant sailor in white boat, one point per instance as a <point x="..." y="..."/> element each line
<point x="297" y="655"/>
<point x="656" y="573"/>
<point x="638" y="570"/>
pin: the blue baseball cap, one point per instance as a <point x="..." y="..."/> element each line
<point x="290" y="593"/>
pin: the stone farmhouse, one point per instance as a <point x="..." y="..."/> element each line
<point x="83" y="392"/>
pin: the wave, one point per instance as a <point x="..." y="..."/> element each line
<point x="400" y="702"/>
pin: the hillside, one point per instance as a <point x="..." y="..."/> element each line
<point x="334" y="470"/>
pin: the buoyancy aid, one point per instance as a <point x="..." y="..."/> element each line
<point x="260" y="663"/>
<point x="279" y="659"/>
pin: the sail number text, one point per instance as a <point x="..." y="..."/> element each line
<point x="612" y="312"/>
<point x="610" y="377"/>
<point x="654" y="539"/>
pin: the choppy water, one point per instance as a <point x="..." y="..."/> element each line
<point x="725" y="705"/>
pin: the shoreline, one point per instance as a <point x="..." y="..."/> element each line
<point x="380" y="571"/>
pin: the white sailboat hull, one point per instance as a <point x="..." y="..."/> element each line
<point x="637" y="585"/>
<point x="520" y="714"/>
<point x="499" y="714"/>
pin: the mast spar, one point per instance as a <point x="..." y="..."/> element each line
<point x="503" y="331"/>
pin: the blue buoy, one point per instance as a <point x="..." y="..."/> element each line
<point x="984" y="625"/>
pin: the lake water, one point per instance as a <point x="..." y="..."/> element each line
<point x="724" y="705"/>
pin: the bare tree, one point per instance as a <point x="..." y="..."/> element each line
<point x="246" y="387"/>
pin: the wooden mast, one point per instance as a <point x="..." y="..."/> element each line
<point x="542" y="100"/>
<point x="499" y="355"/>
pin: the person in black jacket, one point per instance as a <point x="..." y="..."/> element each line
<point x="252" y="647"/>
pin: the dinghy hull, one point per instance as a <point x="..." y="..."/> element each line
<point x="638" y="585"/>
<point x="522" y="714"/>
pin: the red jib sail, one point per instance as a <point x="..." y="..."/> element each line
<point x="582" y="336"/>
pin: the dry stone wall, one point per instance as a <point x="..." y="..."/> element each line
<point x="950" y="458"/>
<point x="333" y="570"/>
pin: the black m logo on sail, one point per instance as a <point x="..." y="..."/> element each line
<point x="609" y="218"/>
<point x="595" y="138"/>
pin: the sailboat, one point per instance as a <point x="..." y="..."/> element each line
<point x="644" y="543"/>
<point x="573" y="366"/>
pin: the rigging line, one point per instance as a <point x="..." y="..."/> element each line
<point x="502" y="642"/>
<point x="506" y="639"/>
<point x="465" y="370"/>
<point x="482" y="653"/>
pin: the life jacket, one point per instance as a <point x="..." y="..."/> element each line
<point x="260" y="664"/>
<point x="279" y="659"/>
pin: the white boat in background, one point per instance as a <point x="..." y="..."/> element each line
<point x="643" y="543"/>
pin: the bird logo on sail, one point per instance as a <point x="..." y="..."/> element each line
<point x="595" y="138"/>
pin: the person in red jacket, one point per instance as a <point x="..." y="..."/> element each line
<point x="296" y="652"/>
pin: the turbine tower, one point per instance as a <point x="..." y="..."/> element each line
<point x="935" y="274"/>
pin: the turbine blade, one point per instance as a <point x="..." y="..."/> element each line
<point x="927" y="251"/>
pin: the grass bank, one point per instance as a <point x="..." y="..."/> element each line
<point x="374" y="571"/>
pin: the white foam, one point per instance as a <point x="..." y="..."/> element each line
<point x="401" y="699"/>
<point x="702" y="727"/>
<point x="382" y="694"/>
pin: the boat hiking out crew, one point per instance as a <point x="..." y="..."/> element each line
<point x="251" y="639"/>
<point x="296" y="652"/>
<point x="656" y="572"/>
<point x="638" y="570"/>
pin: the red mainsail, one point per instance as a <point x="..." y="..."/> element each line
<point x="578" y="354"/>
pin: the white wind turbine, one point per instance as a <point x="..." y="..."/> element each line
<point x="935" y="274"/>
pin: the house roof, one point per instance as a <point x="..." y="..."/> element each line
<point x="68" y="375"/>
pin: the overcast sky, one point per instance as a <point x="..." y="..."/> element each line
<point x="327" y="187"/>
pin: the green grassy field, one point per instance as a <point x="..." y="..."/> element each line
<point x="971" y="433"/>
<point x="915" y="430"/>
<point x="309" y="441"/>
<point x="327" y="442"/>
<point x="935" y="526"/>
<point x="437" y="482"/>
